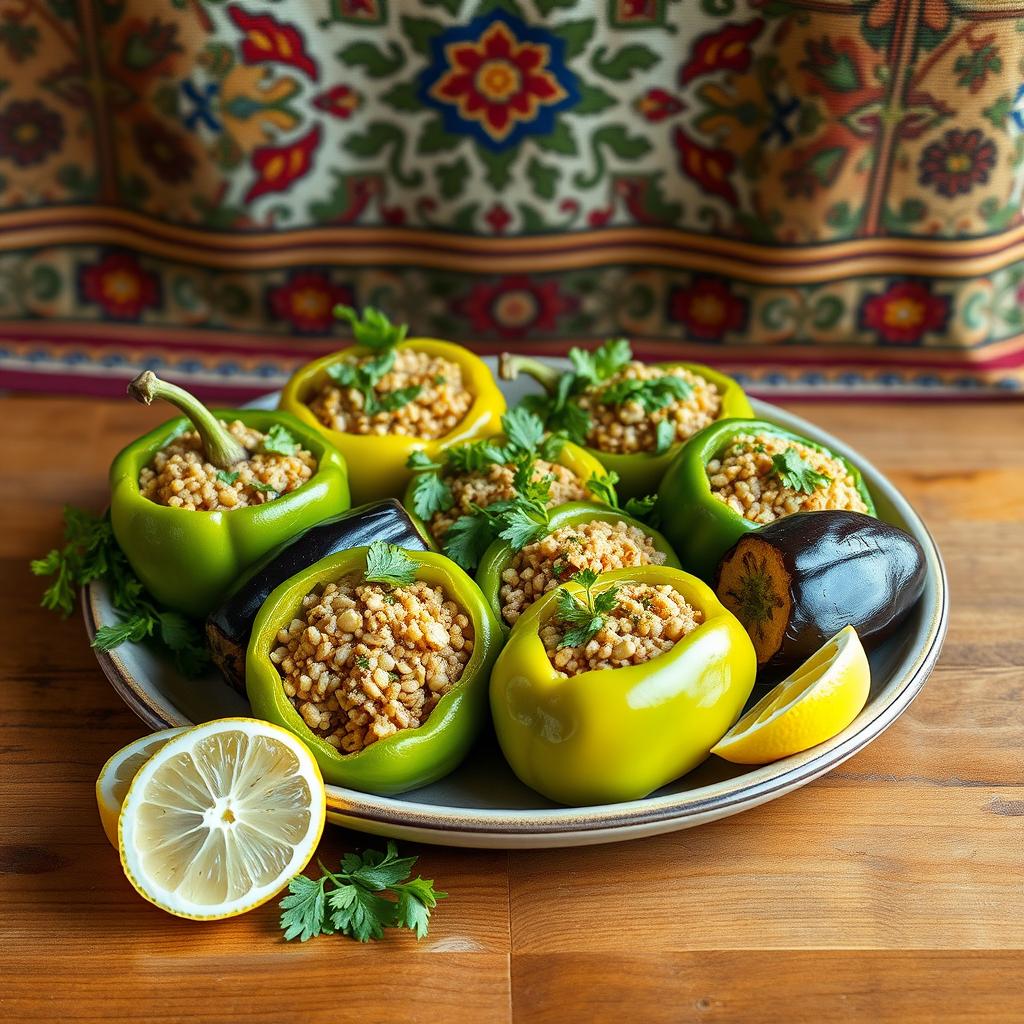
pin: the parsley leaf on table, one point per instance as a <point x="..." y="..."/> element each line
<point x="388" y="563"/>
<point x="91" y="553"/>
<point x="354" y="901"/>
<point x="796" y="473"/>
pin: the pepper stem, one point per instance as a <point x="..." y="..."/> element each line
<point x="222" y="449"/>
<point x="510" y="366"/>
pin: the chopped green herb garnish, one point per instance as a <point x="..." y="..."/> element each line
<point x="653" y="394"/>
<point x="421" y="461"/>
<point x="388" y="563"/>
<point x="430" y="495"/>
<point x="664" y="436"/>
<point x="280" y="440"/>
<point x="467" y="539"/>
<point x="603" y="488"/>
<point x="363" y="662"/>
<point x="365" y="375"/>
<point x="476" y="456"/>
<point x="439" y="380"/>
<point x="796" y="473"/>
<point x="91" y="553"/>
<point x="585" y="617"/>
<point x="350" y="902"/>
<point x="524" y="429"/>
<point x="259" y="485"/>
<point x="602" y="363"/>
<point x="224" y="477"/>
<point x="373" y="329"/>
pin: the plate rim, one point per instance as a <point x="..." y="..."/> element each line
<point x="714" y="800"/>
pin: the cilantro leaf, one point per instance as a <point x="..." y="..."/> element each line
<point x="520" y="528"/>
<point x="390" y="401"/>
<point x="365" y="375"/>
<point x="352" y="901"/>
<point x="373" y="329"/>
<point x="226" y="478"/>
<point x="664" y="436"/>
<point x="524" y="429"/>
<point x="467" y="539"/>
<point x="642" y="508"/>
<point x="280" y="440"/>
<point x="603" y="488"/>
<point x="430" y="495"/>
<point x="602" y="363"/>
<point x="558" y="412"/>
<point x="304" y="908"/>
<point x="585" y="618"/>
<point x="796" y="473"/>
<point x="259" y="485"/>
<point x="586" y="578"/>
<point x="388" y="563"/>
<point x="476" y="456"/>
<point x="130" y="630"/>
<point x="420" y="460"/>
<point x="653" y="394"/>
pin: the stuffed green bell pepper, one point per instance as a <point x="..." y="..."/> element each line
<point x="519" y="567"/>
<point x="633" y="417"/>
<point x="473" y="475"/>
<point x="194" y="503"/>
<point x="378" y="658"/>
<point x="740" y="474"/>
<point x="611" y="686"/>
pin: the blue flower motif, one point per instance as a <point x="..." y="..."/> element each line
<point x="498" y="80"/>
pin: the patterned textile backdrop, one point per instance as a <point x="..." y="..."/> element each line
<point x="810" y="193"/>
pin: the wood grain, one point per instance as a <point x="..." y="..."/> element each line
<point x="888" y="891"/>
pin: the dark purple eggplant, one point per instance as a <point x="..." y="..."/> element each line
<point x="796" y="582"/>
<point x="228" y="627"/>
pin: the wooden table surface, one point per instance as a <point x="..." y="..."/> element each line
<point x="890" y="890"/>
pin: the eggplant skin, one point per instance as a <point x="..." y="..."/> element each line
<point x="228" y="627"/>
<point x="843" y="568"/>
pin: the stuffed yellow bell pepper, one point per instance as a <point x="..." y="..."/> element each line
<point x="387" y="397"/>
<point x="583" y="719"/>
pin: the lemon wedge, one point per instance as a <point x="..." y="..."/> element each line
<point x="221" y="817"/>
<point x="818" y="701"/>
<point x="116" y="776"/>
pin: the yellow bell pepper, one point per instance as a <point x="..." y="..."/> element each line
<point x="619" y="734"/>
<point x="377" y="463"/>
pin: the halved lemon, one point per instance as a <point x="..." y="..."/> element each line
<point x="220" y="818"/>
<point x="818" y="701"/>
<point x="116" y="776"/>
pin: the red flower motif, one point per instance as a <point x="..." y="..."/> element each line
<point x="707" y="309"/>
<point x="164" y="151"/>
<point x="957" y="163"/>
<point x="905" y="312"/>
<point x="726" y="48"/>
<point x="268" y="40"/>
<point x="498" y="81"/>
<point x="708" y="167"/>
<point x="278" y="167"/>
<point x="515" y="306"/>
<point x="498" y="218"/>
<point x="656" y="105"/>
<point x="307" y="300"/>
<point x="120" y="286"/>
<point x="339" y="101"/>
<point x="29" y="132"/>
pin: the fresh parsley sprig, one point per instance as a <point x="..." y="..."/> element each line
<point x="585" y="618"/>
<point x="373" y="329"/>
<point x="355" y="900"/>
<point x="388" y="563"/>
<point x="653" y="394"/>
<point x="603" y="362"/>
<point x="797" y="473"/>
<point x="279" y="440"/>
<point x="603" y="488"/>
<point x="90" y="552"/>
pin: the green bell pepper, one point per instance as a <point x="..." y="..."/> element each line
<point x="639" y="472"/>
<point x="189" y="559"/>
<point x="606" y="736"/>
<point x="700" y="527"/>
<point x="572" y="456"/>
<point x="410" y="757"/>
<point x="499" y="555"/>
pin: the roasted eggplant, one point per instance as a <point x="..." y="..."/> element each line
<point x="229" y="626"/>
<point x="796" y="582"/>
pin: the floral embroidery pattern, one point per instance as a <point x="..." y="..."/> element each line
<point x="29" y="132"/>
<point x="306" y="301"/>
<point x="905" y="312"/>
<point x="708" y="309"/>
<point x="498" y="80"/>
<point x="958" y="163"/>
<point x="515" y="306"/>
<point x="120" y="286"/>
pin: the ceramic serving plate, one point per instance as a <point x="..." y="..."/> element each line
<point x="482" y="804"/>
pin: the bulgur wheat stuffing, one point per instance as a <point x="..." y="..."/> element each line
<point x="180" y="476"/>
<point x="629" y="426"/>
<point x="746" y="477"/>
<point x="363" y="660"/>
<point x="497" y="483"/>
<point x="596" y="545"/>
<point x="647" y="621"/>
<point x="420" y="396"/>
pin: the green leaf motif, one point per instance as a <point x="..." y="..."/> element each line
<point x="419" y="32"/>
<point x="545" y="7"/>
<point x="377" y="63"/>
<point x="832" y="67"/>
<point x="576" y="35"/>
<point x="402" y="96"/>
<point x="451" y="6"/>
<point x="973" y="68"/>
<point x="593" y="100"/>
<point x="615" y="138"/>
<point x="499" y="166"/>
<point x="561" y="140"/>
<point x="434" y="139"/>
<point x="999" y="111"/>
<point x="533" y="220"/>
<point x="543" y="177"/>
<point x="451" y="178"/>
<point x="621" y="66"/>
